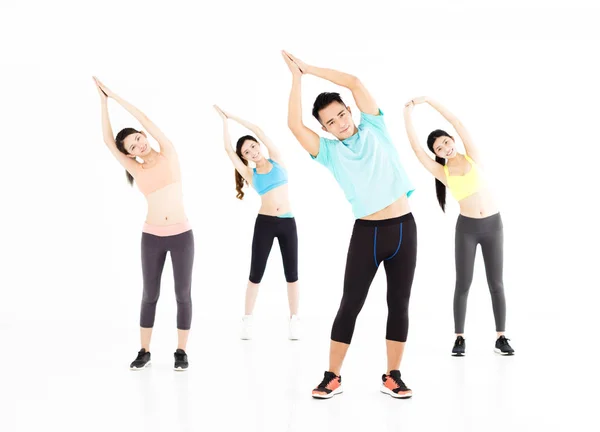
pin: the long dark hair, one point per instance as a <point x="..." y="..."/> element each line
<point x="119" y="139"/>
<point x="239" y="180"/>
<point x="440" y="189"/>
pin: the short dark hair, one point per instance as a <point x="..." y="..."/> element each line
<point x="323" y="101"/>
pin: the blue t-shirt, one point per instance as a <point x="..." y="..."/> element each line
<point x="366" y="166"/>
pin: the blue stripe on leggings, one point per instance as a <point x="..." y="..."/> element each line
<point x="399" y="243"/>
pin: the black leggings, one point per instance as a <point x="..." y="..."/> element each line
<point x="488" y="233"/>
<point x="393" y="242"/>
<point x="266" y="229"/>
<point x="154" y="253"/>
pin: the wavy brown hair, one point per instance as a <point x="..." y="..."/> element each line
<point x="239" y="180"/>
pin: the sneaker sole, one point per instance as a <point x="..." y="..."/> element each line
<point x="180" y="369"/>
<point x="387" y="391"/>
<point x="497" y="351"/>
<point x="330" y="395"/>
<point x="458" y="354"/>
<point x="140" y="368"/>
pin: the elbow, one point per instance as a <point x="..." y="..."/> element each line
<point x="294" y="125"/>
<point x="353" y="82"/>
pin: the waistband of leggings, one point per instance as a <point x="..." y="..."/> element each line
<point x="385" y="222"/>
<point x="479" y="225"/>
<point x="167" y="230"/>
<point x="272" y="219"/>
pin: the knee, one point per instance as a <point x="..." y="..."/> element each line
<point x="184" y="297"/>
<point x="291" y="277"/>
<point x="255" y="279"/>
<point x="348" y="311"/>
<point x="462" y="287"/>
<point x="496" y="287"/>
<point x="150" y="297"/>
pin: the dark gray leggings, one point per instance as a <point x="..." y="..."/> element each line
<point x="488" y="233"/>
<point x="154" y="253"/>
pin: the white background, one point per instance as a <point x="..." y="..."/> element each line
<point x="522" y="77"/>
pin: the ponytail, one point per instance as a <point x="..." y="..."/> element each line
<point x="239" y="180"/>
<point x="440" y="188"/>
<point x="119" y="141"/>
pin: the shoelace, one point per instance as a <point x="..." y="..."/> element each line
<point x="399" y="382"/>
<point x="140" y="355"/>
<point x="503" y="341"/>
<point x="460" y="341"/>
<point x="326" y="381"/>
<point x="179" y="356"/>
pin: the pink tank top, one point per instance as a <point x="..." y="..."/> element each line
<point x="165" y="172"/>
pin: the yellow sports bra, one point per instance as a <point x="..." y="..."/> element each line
<point x="465" y="185"/>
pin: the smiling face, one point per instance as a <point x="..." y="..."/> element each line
<point x="444" y="147"/>
<point x="337" y="120"/>
<point x="137" y="145"/>
<point x="250" y="151"/>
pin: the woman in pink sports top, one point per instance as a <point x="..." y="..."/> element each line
<point x="166" y="229"/>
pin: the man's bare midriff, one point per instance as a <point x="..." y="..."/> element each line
<point x="275" y="202"/>
<point x="165" y="206"/>
<point x="398" y="208"/>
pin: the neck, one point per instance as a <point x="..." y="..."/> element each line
<point x="453" y="161"/>
<point x="150" y="157"/>
<point x="261" y="163"/>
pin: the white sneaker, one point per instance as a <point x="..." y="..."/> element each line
<point x="294" y="328"/>
<point x="246" y="330"/>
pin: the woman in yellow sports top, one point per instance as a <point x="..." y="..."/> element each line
<point x="479" y="221"/>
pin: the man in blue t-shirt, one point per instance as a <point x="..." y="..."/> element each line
<point x="365" y="163"/>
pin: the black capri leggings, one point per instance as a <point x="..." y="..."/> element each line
<point x="393" y="242"/>
<point x="266" y="229"/>
<point x="154" y="253"/>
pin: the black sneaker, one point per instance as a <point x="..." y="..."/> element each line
<point x="329" y="387"/>
<point x="394" y="386"/>
<point x="181" y="360"/>
<point x="503" y="347"/>
<point x="142" y="360"/>
<point x="459" y="347"/>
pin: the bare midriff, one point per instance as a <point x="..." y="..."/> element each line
<point x="275" y="202"/>
<point x="165" y="206"/>
<point x="398" y="208"/>
<point x="479" y="205"/>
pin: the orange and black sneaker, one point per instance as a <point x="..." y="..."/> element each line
<point x="394" y="386"/>
<point x="329" y="387"/>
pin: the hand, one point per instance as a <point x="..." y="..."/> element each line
<point x="103" y="96"/>
<point x="419" y="100"/>
<point x="301" y="65"/>
<point x="102" y="88"/>
<point x="294" y="68"/>
<point x="221" y="112"/>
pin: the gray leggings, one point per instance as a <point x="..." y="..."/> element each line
<point x="154" y="253"/>
<point x="488" y="233"/>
